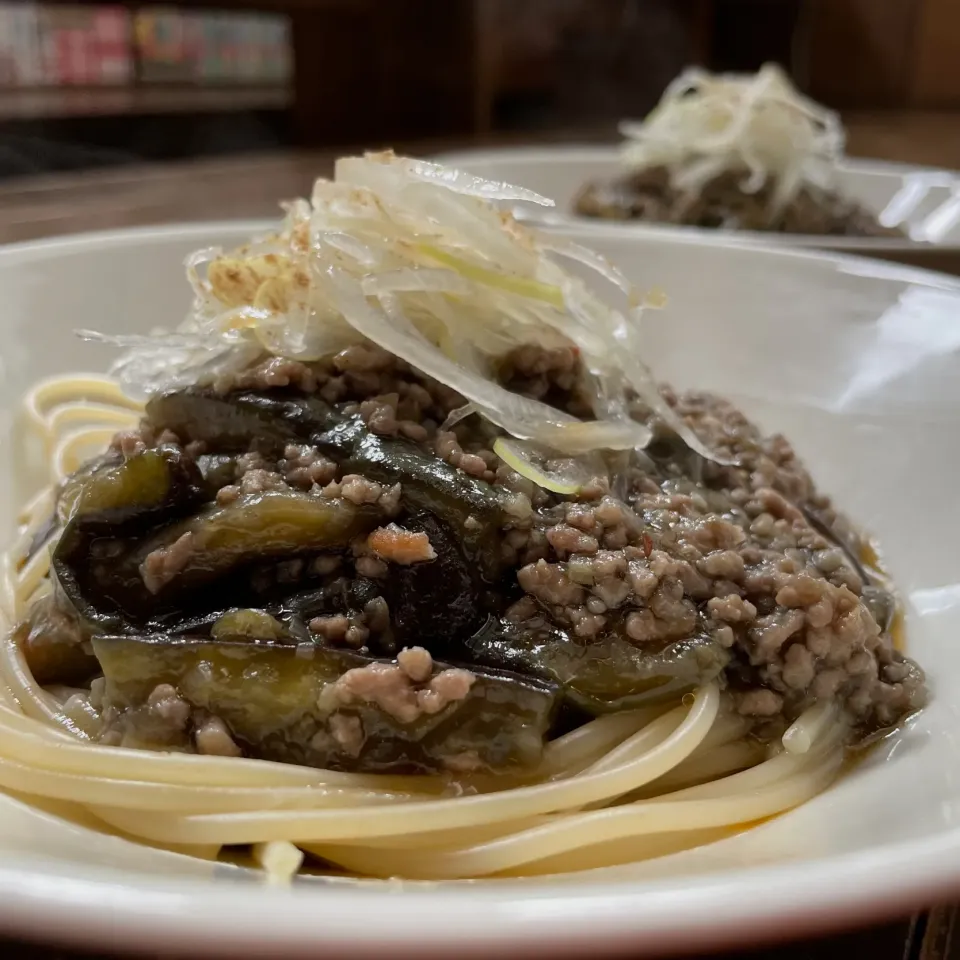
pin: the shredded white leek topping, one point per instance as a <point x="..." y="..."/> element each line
<point x="418" y="259"/>
<point x="755" y="124"/>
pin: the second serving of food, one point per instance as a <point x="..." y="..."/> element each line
<point x="734" y="152"/>
<point x="410" y="566"/>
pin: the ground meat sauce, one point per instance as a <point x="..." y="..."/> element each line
<point x="673" y="569"/>
<point x="722" y="203"/>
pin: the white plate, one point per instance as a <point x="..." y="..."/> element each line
<point x="857" y="361"/>
<point x="925" y="202"/>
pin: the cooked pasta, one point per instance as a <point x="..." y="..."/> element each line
<point x="339" y="613"/>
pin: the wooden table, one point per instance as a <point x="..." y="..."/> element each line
<point x="249" y="187"/>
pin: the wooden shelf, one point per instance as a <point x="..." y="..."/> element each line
<point x="67" y="102"/>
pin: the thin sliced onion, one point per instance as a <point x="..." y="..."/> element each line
<point x="520" y="416"/>
<point x="197" y="259"/>
<point x="758" y="124"/>
<point x="533" y="462"/>
<point x="455" y="416"/>
<point x="416" y="258"/>
<point x="459" y="181"/>
<point x="592" y="260"/>
<point x="525" y="288"/>
<point x="416" y="281"/>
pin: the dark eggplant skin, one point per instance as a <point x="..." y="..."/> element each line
<point x="119" y="589"/>
<point x="116" y="503"/>
<point x="340" y="596"/>
<point x="242" y="421"/>
<point x="99" y="563"/>
<point x="122" y="496"/>
<point x="435" y="604"/>
<point x="431" y="602"/>
<point x="599" y="676"/>
<point x="53" y="642"/>
<point x="267" y="422"/>
<point x="292" y="610"/>
<point x="278" y="701"/>
<point x="271" y="525"/>
<point x="465" y="504"/>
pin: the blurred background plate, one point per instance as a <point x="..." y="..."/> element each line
<point x="923" y="201"/>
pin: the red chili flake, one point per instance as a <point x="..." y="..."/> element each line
<point x="647" y="545"/>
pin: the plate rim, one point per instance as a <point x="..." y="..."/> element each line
<point x="785" y="901"/>
<point x="855" y="261"/>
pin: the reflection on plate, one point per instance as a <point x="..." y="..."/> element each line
<point x="856" y="361"/>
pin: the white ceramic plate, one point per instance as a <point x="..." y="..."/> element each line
<point x="857" y="361"/>
<point x="924" y="202"/>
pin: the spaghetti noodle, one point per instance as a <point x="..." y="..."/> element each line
<point x="378" y="825"/>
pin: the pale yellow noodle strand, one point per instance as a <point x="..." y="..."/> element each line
<point x="567" y="834"/>
<point x="721" y="761"/>
<point x="722" y="749"/>
<point x="639" y="744"/>
<point x="588" y="743"/>
<point x="37" y="509"/>
<point x="643" y="847"/>
<point x="19" y="582"/>
<point x="75" y="448"/>
<point x="802" y="733"/>
<point x="175" y="798"/>
<point x="11" y="718"/>
<point x="34" y="748"/>
<point x="93" y="388"/>
<point x="81" y="817"/>
<point x="729" y="726"/>
<point x="7" y="699"/>
<point x="89" y="414"/>
<point x="623" y="850"/>
<point x="763" y="774"/>
<point x="413" y="826"/>
<point x="459" y="835"/>
<point x="33" y="699"/>
<point x="573" y="752"/>
<point x="438" y="840"/>
<point x="434" y="815"/>
<point x="31" y="577"/>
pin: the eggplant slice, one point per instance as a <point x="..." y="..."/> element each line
<point x="333" y="708"/>
<point x="604" y="675"/>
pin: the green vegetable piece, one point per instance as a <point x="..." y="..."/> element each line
<point x="110" y="492"/>
<point x="268" y="422"/>
<point x="153" y="576"/>
<point x="109" y="505"/>
<point x="603" y="675"/>
<point x="255" y="624"/>
<point x="242" y="420"/>
<point x="289" y="703"/>
<point x="256" y="527"/>
<point x="142" y="482"/>
<point x="52" y="640"/>
<point x="466" y="504"/>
